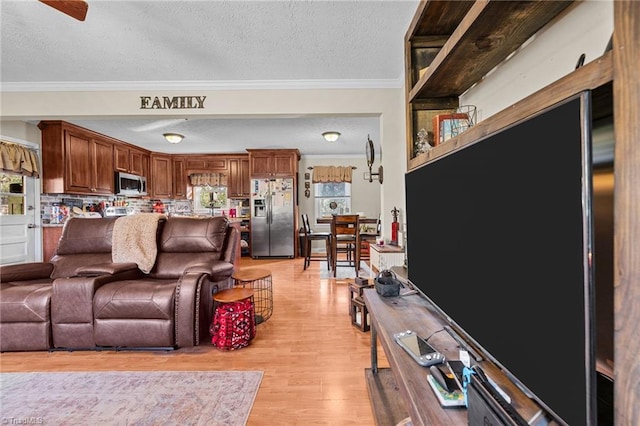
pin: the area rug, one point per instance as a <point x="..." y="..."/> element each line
<point x="129" y="398"/>
<point x="345" y="271"/>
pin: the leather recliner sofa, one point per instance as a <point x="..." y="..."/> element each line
<point x="81" y="299"/>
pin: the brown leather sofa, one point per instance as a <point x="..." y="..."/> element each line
<point x="83" y="300"/>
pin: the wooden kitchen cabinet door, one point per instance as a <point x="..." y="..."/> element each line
<point x="161" y="176"/>
<point x="88" y="165"/>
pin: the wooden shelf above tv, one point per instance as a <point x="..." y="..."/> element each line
<point x="596" y="75"/>
<point x="451" y="45"/>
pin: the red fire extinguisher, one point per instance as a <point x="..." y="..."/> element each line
<point x="394" y="226"/>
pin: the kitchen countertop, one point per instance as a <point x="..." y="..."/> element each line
<point x="231" y="219"/>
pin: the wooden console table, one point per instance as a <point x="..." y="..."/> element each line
<point x="402" y="390"/>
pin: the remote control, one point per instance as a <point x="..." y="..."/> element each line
<point x="419" y="349"/>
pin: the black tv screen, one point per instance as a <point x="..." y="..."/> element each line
<point x="499" y="237"/>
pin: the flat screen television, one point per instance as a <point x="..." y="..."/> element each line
<point x="499" y="239"/>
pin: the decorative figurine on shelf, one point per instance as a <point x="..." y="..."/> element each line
<point x="422" y="143"/>
<point x="394" y="226"/>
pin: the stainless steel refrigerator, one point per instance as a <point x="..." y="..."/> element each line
<point x="272" y="218"/>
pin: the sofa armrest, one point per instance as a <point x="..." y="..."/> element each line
<point x="72" y="307"/>
<point x="25" y="271"/>
<point x="194" y="302"/>
<point x="217" y="269"/>
<point x="187" y="314"/>
<point x="105" y="269"/>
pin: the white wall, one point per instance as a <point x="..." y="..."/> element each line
<point x="20" y="130"/>
<point x="548" y="56"/>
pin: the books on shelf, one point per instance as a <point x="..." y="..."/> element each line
<point x="447" y="399"/>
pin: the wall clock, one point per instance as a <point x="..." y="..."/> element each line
<point x="371" y="153"/>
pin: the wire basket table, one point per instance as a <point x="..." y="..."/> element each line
<point x="259" y="280"/>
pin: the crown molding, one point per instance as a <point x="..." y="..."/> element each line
<point x="106" y="86"/>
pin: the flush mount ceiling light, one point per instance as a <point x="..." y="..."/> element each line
<point x="173" y="137"/>
<point x="331" y="136"/>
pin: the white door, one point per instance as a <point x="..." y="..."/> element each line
<point x="20" y="232"/>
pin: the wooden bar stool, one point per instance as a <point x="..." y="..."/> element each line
<point x="345" y="238"/>
<point x="309" y="237"/>
<point x="233" y="325"/>
<point x="258" y="280"/>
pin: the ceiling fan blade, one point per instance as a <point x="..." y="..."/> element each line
<point x="75" y="8"/>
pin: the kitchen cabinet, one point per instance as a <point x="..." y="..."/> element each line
<point x="179" y="178"/>
<point x="50" y="238"/>
<point x="75" y="161"/>
<point x="131" y="160"/>
<point x="161" y="176"/>
<point x="273" y="162"/>
<point x="206" y="163"/>
<point x="238" y="181"/>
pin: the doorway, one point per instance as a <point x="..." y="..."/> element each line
<point x="20" y="231"/>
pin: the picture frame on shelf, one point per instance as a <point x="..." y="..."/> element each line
<point x="445" y="126"/>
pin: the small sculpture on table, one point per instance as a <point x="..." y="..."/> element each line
<point x="422" y="143"/>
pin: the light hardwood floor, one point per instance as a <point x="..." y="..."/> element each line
<point x="313" y="359"/>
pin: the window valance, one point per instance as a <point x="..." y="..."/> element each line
<point x="18" y="159"/>
<point x="208" y="179"/>
<point x="325" y="174"/>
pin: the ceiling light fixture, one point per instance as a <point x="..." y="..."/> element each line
<point x="173" y="137"/>
<point x="331" y="136"/>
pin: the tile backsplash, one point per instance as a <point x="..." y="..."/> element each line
<point x="56" y="208"/>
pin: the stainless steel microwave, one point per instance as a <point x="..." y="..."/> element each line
<point x="130" y="185"/>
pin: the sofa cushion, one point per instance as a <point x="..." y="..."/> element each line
<point x="83" y="242"/>
<point x="86" y="235"/>
<point x="30" y="301"/>
<point x="186" y="234"/>
<point x="188" y="241"/>
<point x="135" y="299"/>
<point x="135" y="313"/>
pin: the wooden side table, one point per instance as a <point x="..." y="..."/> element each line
<point x="233" y="325"/>
<point x="357" y="308"/>
<point x="258" y="280"/>
<point x="384" y="257"/>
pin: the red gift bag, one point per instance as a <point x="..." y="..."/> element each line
<point x="233" y="325"/>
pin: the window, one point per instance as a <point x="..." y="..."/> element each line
<point x="332" y="198"/>
<point x="12" y="197"/>
<point x="206" y="198"/>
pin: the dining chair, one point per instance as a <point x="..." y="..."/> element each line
<point x="309" y="237"/>
<point x="345" y="235"/>
<point x="367" y="237"/>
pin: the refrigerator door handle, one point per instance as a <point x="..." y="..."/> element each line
<point x="269" y="207"/>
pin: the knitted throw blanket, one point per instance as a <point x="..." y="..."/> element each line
<point x="134" y="240"/>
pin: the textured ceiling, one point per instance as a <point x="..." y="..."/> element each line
<point x="211" y="44"/>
